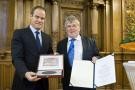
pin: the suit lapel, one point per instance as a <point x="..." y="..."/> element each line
<point x="45" y="44"/>
<point x="84" y="47"/>
<point x="65" y="46"/>
<point x="43" y="40"/>
<point x="32" y="40"/>
<point x="65" y="53"/>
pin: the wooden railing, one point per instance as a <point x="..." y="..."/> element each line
<point x="7" y="71"/>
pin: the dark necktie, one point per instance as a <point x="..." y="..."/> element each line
<point x="37" y="40"/>
<point x="71" y="52"/>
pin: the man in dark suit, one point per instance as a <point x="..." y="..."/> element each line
<point x="27" y="45"/>
<point x="84" y="49"/>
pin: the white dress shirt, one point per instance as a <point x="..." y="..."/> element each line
<point x="78" y="48"/>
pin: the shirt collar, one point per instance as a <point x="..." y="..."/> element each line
<point x="34" y="30"/>
<point x="77" y="38"/>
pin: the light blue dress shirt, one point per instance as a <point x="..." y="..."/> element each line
<point x="33" y="31"/>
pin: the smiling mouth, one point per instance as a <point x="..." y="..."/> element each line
<point x="38" y="23"/>
<point x="72" y="31"/>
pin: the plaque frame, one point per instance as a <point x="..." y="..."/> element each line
<point x="50" y="66"/>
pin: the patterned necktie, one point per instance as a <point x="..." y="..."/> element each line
<point x="37" y="40"/>
<point x="71" y="52"/>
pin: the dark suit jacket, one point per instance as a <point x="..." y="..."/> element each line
<point x="89" y="50"/>
<point x="25" y="57"/>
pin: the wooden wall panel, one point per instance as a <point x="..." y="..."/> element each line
<point x="3" y="22"/>
<point x="48" y="20"/>
<point x="119" y="68"/>
<point x="74" y="8"/>
<point x="10" y="24"/>
<point x="18" y="23"/>
<point x="121" y="78"/>
<point x="117" y="24"/>
<point x="53" y="83"/>
<point x="110" y="32"/>
<point x="7" y="71"/>
<point x="27" y="9"/>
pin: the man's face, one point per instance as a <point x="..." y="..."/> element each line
<point x="73" y="29"/>
<point x="38" y="18"/>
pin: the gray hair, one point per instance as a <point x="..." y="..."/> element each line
<point x="70" y="19"/>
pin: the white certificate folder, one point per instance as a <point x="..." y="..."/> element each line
<point x="50" y="66"/>
<point x="88" y="75"/>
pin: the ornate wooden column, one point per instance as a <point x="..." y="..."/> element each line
<point x="107" y="34"/>
<point x="18" y="13"/>
<point x="27" y="10"/>
<point x="55" y="23"/>
<point x="10" y="24"/>
<point x="38" y="2"/>
<point x="4" y="10"/>
<point x="95" y="18"/>
<point x="55" y="26"/>
<point x="117" y="24"/>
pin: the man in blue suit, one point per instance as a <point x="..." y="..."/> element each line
<point x="27" y="45"/>
<point x="83" y="48"/>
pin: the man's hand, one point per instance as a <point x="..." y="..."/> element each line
<point x="94" y="59"/>
<point x="31" y="76"/>
<point x="56" y="53"/>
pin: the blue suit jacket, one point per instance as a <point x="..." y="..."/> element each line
<point x="89" y="50"/>
<point x="25" y="56"/>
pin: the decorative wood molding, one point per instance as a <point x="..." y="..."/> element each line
<point x="55" y="17"/>
<point x="129" y="16"/>
<point x="10" y="24"/>
<point x="73" y="2"/>
<point x="107" y="26"/>
<point x="6" y="75"/>
<point x="38" y="3"/>
<point x="112" y="31"/>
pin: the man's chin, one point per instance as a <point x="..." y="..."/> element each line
<point x="73" y="36"/>
<point x="38" y="28"/>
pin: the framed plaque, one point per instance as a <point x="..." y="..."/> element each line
<point x="50" y="66"/>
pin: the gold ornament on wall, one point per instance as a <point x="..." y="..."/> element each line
<point x="129" y="40"/>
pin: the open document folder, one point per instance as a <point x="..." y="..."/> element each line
<point x="85" y="74"/>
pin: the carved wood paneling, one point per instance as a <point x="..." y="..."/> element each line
<point x="26" y="12"/>
<point x="74" y="8"/>
<point x="6" y="75"/>
<point x="121" y="82"/>
<point x="38" y="2"/>
<point x="107" y="25"/>
<point x="116" y="31"/>
<point x="53" y="83"/>
<point x="7" y="72"/>
<point x="10" y="24"/>
<point x="18" y="13"/>
<point x="128" y="18"/>
<point x="112" y="19"/>
<point x="48" y="23"/>
<point x="3" y="22"/>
